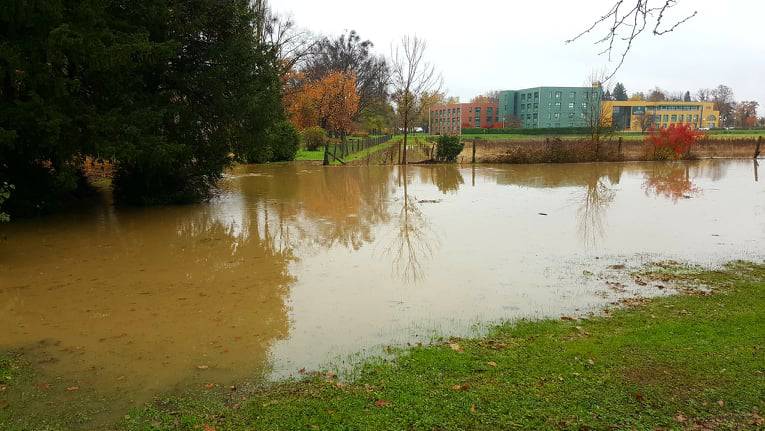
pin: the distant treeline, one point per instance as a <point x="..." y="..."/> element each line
<point x="171" y="91"/>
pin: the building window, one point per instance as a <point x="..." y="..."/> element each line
<point x="584" y="105"/>
<point x="523" y="97"/>
<point x="536" y="95"/>
<point x="570" y="115"/>
<point x="556" y="115"/>
<point x="557" y="105"/>
<point x="535" y="116"/>
<point x="570" y="105"/>
<point x="557" y="94"/>
<point x="572" y="95"/>
<point x="536" y="106"/>
<point x="674" y="118"/>
<point x="665" y="118"/>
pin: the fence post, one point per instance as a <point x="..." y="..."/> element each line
<point x="757" y="147"/>
<point x="474" y="141"/>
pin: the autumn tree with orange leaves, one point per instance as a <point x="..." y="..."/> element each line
<point x="330" y="102"/>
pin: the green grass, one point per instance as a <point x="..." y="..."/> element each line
<point x="304" y="155"/>
<point x="678" y="362"/>
<point x="690" y="361"/>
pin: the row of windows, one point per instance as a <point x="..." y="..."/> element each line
<point x="557" y="105"/>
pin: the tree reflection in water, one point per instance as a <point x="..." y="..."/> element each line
<point x="595" y="200"/>
<point x="671" y="181"/>
<point x="414" y="242"/>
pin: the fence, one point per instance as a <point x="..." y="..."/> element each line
<point x="342" y="150"/>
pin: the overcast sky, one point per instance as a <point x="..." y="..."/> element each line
<point x="484" y="45"/>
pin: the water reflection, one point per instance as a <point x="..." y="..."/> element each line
<point x="671" y="181"/>
<point x="295" y="264"/>
<point x="594" y="201"/>
<point x="413" y="241"/>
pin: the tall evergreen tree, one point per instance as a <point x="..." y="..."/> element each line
<point x="169" y="89"/>
<point x="687" y="96"/>
<point x="620" y="93"/>
<point x="607" y="95"/>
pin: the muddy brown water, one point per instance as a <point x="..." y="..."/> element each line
<point x="298" y="266"/>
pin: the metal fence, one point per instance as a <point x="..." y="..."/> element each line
<point x="342" y="150"/>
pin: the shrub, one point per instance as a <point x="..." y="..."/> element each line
<point x="673" y="142"/>
<point x="448" y="148"/>
<point x="314" y="138"/>
<point x="362" y="135"/>
<point x="283" y="139"/>
<point x="5" y="193"/>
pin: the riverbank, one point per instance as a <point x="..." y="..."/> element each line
<point x="689" y="361"/>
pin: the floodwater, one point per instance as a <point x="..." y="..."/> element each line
<point x="297" y="266"/>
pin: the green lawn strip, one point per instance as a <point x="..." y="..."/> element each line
<point x="677" y="362"/>
<point x="303" y="155"/>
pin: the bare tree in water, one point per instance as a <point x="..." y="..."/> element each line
<point x="626" y="20"/>
<point x="411" y="78"/>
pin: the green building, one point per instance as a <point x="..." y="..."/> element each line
<point x="549" y="107"/>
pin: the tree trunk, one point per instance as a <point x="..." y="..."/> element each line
<point x="406" y="134"/>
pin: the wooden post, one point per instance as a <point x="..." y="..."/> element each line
<point x="621" y="156"/>
<point x="474" y="151"/>
<point x="757" y="147"/>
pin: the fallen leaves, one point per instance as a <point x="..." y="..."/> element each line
<point x="72" y="388"/>
<point x="461" y="387"/>
<point x="456" y="347"/>
<point x="491" y="364"/>
<point x="382" y="403"/>
<point x="202" y="367"/>
<point x="473" y="408"/>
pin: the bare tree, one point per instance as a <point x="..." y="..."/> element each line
<point x="626" y="20"/>
<point x="594" y="111"/>
<point x="291" y="44"/>
<point x="411" y="77"/>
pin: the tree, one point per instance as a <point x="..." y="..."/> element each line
<point x="411" y="77"/>
<point x="427" y="101"/>
<point x="687" y="96"/>
<point x="626" y="20"/>
<point x="167" y="89"/>
<point x="657" y="95"/>
<point x="329" y="103"/>
<point x="620" y="93"/>
<point x="745" y="114"/>
<point x="722" y="96"/>
<point x="595" y="113"/>
<point x="646" y="121"/>
<point x="348" y="53"/>
<point x="607" y="95"/>
<point x="638" y="96"/>
<point x="704" y="94"/>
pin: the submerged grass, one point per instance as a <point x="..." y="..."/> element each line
<point x="691" y="361"/>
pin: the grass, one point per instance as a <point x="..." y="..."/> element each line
<point x="690" y="361"/>
<point x="304" y="155"/>
<point x="684" y="361"/>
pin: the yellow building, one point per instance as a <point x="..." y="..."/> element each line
<point x="639" y="116"/>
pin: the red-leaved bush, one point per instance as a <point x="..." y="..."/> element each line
<point x="674" y="141"/>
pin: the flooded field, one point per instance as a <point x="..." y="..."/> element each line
<point x="295" y="266"/>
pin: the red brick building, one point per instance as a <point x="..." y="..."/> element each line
<point x="447" y="119"/>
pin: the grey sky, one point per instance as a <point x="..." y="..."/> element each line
<point x="503" y="44"/>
